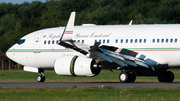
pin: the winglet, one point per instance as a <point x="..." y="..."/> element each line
<point x="130" y="23"/>
<point x="68" y="31"/>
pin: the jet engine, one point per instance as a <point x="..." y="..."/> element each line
<point x="70" y="65"/>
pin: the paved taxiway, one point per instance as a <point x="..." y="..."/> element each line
<point x="90" y="84"/>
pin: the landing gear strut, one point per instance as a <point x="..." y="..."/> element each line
<point x="41" y="76"/>
<point x="127" y="77"/>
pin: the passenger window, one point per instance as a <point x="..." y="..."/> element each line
<point x="157" y="40"/>
<point x="95" y="41"/>
<point x="135" y="40"/>
<point x="153" y="40"/>
<point x="126" y="40"/>
<point x="131" y="40"/>
<point x="171" y="40"/>
<point x="53" y="42"/>
<point x="49" y="42"/>
<point x="78" y="40"/>
<point x="108" y="41"/>
<point x="82" y="41"/>
<point x="104" y="41"/>
<point x="144" y="40"/>
<point x="166" y="40"/>
<point x="44" y="42"/>
<point x="116" y="40"/>
<point x="21" y="41"/>
<point x="162" y="40"/>
<point x="121" y="40"/>
<point x="99" y="40"/>
<point x="140" y="40"/>
<point x="57" y="42"/>
<point x="175" y="40"/>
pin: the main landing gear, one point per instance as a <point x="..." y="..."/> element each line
<point x="167" y="76"/>
<point x="127" y="77"/>
<point x="41" y="76"/>
<point x="130" y="76"/>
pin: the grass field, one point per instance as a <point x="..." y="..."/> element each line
<point x="83" y="94"/>
<point x="88" y="94"/>
<point x="51" y="76"/>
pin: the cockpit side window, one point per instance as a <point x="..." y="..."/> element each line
<point x="21" y="41"/>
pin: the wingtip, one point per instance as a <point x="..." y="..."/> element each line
<point x="67" y="34"/>
<point x="130" y="23"/>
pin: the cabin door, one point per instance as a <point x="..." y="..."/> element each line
<point x="37" y="41"/>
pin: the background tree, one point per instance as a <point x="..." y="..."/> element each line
<point x="17" y="20"/>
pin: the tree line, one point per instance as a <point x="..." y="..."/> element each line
<point x="17" y="20"/>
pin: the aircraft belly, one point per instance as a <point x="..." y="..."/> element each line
<point x="46" y="59"/>
<point x="25" y="58"/>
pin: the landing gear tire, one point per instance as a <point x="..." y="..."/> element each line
<point x="132" y="77"/>
<point x="167" y="76"/>
<point x="127" y="77"/>
<point x="123" y="77"/>
<point x="40" y="78"/>
<point x="170" y="76"/>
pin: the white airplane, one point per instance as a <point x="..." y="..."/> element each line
<point x="136" y="50"/>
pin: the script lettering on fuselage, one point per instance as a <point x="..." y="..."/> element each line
<point x="52" y="36"/>
<point x="92" y="35"/>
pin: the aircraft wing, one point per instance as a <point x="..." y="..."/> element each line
<point x="105" y="53"/>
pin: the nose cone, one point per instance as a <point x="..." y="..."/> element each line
<point x="9" y="53"/>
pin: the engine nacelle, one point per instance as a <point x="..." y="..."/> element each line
<point x="71" y="65"/>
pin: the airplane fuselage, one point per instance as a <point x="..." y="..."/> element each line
<point x="136" y="50"/>
<point x="40" y="48"/>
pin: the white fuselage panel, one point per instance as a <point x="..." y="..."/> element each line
<point x="40" y="48"/>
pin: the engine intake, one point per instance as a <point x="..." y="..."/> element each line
<point x="71" y="65"/>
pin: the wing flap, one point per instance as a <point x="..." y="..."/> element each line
<point x="103" y="56"/>
<point x="142" y="63"/>
<point x="112" y="54"/>
<point x="119" y="62"/>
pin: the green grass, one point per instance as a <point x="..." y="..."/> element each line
<point x="51" y="76"/>
<point x="89" y="94"/>
<point x="83" y="94"/>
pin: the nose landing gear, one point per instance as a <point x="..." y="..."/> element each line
<point x="41" y="76"/>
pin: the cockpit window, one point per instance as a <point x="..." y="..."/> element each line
<point x="21" y="41"/>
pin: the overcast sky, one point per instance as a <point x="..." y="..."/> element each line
<point x="19" y="1"/>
